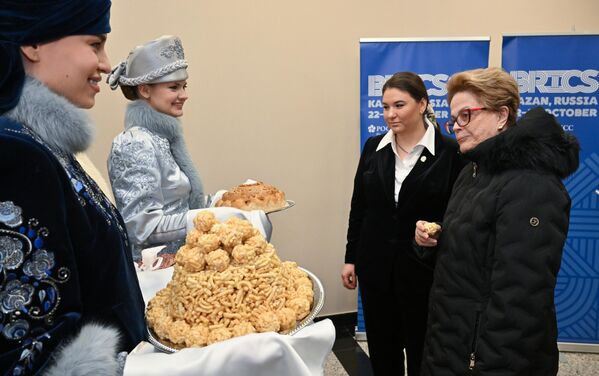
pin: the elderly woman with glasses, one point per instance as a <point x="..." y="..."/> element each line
<point x="491" y="303"/>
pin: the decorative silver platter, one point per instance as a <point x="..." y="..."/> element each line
<point x="290" y="203"/>
<point x="168" y="347"/>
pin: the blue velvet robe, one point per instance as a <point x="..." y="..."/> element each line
<point x="65" y="257"/>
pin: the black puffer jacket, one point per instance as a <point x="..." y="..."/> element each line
<point x="491" y="305"/>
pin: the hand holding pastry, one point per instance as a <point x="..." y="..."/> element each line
<point x="426" y="233"/>
<point x="432" y="229"/>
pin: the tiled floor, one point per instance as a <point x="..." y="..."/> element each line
<point x="350" y="357"/>
<point x="575" y="364"/>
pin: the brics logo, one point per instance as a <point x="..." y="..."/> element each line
<point x="571" y="81"/>
<point x="436" y="84"/>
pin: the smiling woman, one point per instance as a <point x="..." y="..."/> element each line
<point x="156" y="186"/>
<point x="154" y="182"/>
<point x="166" y="97"/>
<point x="64" y="253"/>
<point x="76" y="81"/>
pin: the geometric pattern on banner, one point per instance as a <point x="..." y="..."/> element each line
<point x="361" y="323"/>
<point x="577" y="289"/>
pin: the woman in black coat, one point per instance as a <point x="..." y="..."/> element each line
<point x="402" y="176"/>
<point x="491" y="309"/>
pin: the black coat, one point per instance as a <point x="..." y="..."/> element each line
<point x="491" y="309"/>
<point x="75" y="264"/>
<point x="379" y="235"/>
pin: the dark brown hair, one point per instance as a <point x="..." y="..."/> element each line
<point x="130" y="92"/>
<point x="409" y="82"/>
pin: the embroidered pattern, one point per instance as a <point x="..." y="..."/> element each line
<point x="140" y="162"/>
<point x="29" y="280"/>
<point x="10" y="214"/>
<point x="11" y="252"/>
<point x="86" y="188"/>
<point x="173" y="49"/>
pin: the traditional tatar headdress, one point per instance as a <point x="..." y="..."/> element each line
<point x="32" y="22"/>
<point x="159" y="60"/>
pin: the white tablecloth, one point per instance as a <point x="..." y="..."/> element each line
<point x="302" y="354"/>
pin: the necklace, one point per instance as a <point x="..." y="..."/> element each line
<point x="399" y="146"/>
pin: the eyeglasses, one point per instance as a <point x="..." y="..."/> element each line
<point x="463" y="118"/>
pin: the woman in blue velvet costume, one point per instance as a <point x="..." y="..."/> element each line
<point x="68" y="290"/>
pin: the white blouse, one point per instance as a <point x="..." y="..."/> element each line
<point x="403" y="167"/>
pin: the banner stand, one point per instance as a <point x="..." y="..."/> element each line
<point x="577" y="347"/>
<point x="433" y="59"/>
<point x="560" y="72"/>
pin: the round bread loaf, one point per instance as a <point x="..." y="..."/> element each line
<point x="254" y="196"/>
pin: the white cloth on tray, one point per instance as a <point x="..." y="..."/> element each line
<point x="302" y="354"/>
<point x="153" y="281"/>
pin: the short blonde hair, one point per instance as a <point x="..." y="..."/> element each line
<point x="493" y="86"/>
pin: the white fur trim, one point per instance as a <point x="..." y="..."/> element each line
<point x="92" y="352"/>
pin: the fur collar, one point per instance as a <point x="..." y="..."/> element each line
<point x="141" y="114"/>
<point x="53" y="118"/>
<point x="536" y="142"/>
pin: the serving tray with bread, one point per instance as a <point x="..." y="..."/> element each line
<point x="255" y="195"/>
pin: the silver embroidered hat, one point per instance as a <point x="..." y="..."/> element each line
<point x="159" y="60"/>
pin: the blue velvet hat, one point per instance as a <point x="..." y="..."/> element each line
<point x="36" y="21"/>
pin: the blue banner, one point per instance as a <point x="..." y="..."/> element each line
<point x="435" y="61"/>
<point x="561" y="74"/>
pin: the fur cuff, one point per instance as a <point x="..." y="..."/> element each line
<point x="92" y="352"/>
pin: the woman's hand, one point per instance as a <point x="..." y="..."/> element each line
<point x="348" y="276"/>
<point x="422" y="237"/>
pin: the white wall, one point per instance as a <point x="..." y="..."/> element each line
<point x="274" y="94"/>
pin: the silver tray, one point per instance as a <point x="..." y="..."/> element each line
<point x="168" y="347"/>
<point x="290" y="203"/>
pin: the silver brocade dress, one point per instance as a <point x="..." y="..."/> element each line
<point x="150" y="189"/>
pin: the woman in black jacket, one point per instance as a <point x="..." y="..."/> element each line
<point x="402" y="176"/>
<point x="491" y="309"/>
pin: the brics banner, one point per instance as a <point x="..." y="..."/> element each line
<point x="561" y="74"/>
<point x="435" y="60"/>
